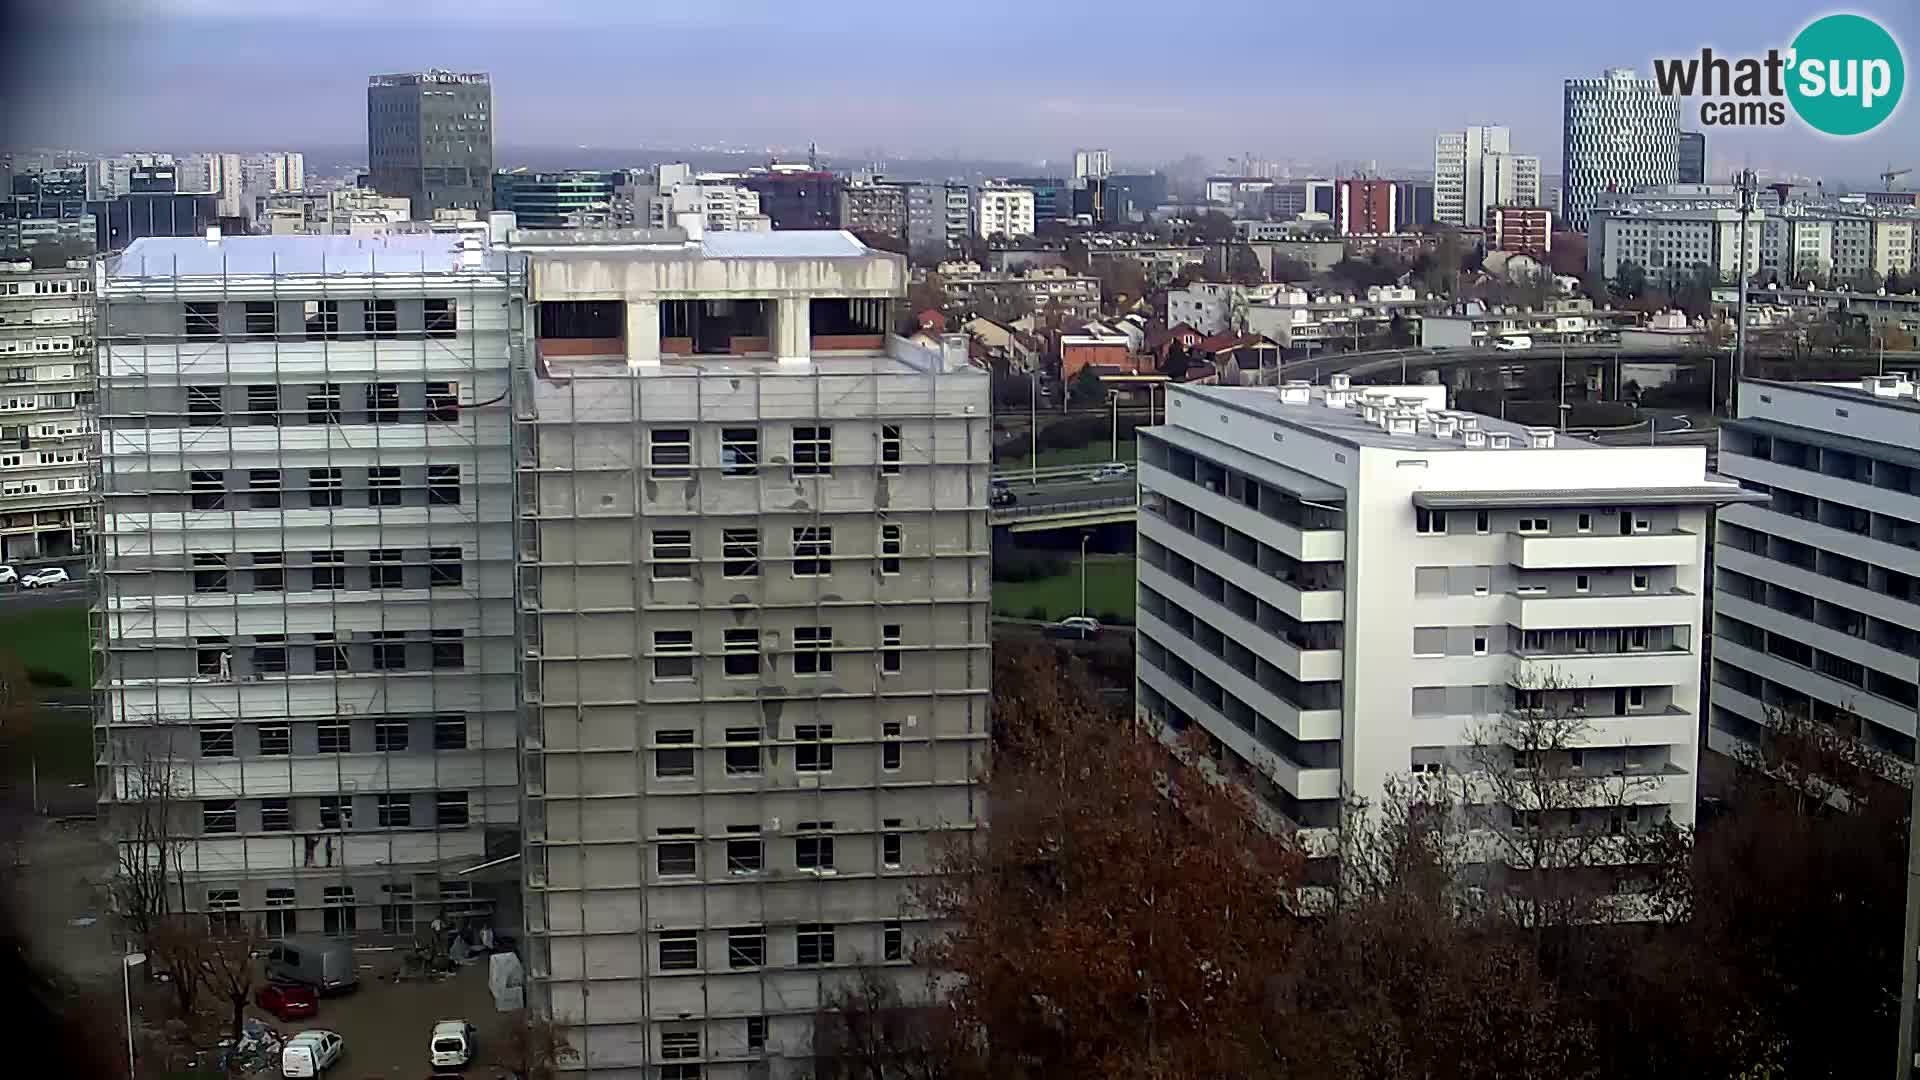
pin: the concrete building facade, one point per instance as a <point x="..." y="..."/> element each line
<point x="1816" y="600"/>
<point x="1474" y="169"/>
<point x="304" y="617"/>
<point x="754" y="579"/>
<point x="430" y="138"/>
<point x="47" y="446"/>
<point x="1003" y="210"/>
<point x="1619" y="133"/>
<point x="1342" y="585"/>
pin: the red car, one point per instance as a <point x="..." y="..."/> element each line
<point x="286" y="1001"/>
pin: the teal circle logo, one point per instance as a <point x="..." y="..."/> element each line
<point x="1846" y="76"/>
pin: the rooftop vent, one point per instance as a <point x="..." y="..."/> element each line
<point x="1540" y="438"/>
<point x="1413" y="403"/>
<point x="1338" y="399"/>
<point x="1474" y="438"/>
<point x="213" y="235"/>
<point x="1370" y="411"/>
<point x="1469" y="423"/>
<point x="1340" y="381"/>
<point x="1499" y="440"/>
<point x="1402" y="422"/>
<point x="1295" y="392"/>
<point x="471" y="253"/>
<point x="1444" y="426"/>
<point x="1881" y="385"/>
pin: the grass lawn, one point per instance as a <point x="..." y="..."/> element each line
<point x="1109" y="588"/>
<point x="51" y="638"/>
<point x="1094" y="453"/>
<point x="60" y="744"/>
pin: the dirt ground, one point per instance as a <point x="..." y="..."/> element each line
<point x="386" y="1024"/>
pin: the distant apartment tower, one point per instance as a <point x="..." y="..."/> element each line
<point x="1342" y="585"/>
<point x="1816" y="599"/>
<point x="46" y="410"/>
<point x="1413" y="203"/>
<point x="1474" y="169"/>
<point x="720" y="200"/>
<point x="305" y="604"/>
<point x="875" y="207"/>
<point x="1692" y="167"/>
<point x="796" y="196"/>
<point x="926" y="219"/>
<point x="578" y="199"/>
<point x="1091" y="165"/>
<point x="1524" y="229"/>
<point x="430" y="138"/>
<point x="1619" y="133"/>
<point x="1366" y="207"/>
<point x="959" y="215"/>
<point x="1003" y="209"/>
<point x="755" y="589"/>
<point x="1670" y="245"/>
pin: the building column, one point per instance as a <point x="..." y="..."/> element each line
<point x="792" y="331"/>
<point x="643" y="333"/>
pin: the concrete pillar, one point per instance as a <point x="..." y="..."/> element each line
<point x="643" y="333"/>
<point x="792" y="331"/>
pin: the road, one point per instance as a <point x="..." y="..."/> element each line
<point x="1069" y="491"/>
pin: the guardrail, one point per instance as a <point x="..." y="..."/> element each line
<point x="1071" y="508"/>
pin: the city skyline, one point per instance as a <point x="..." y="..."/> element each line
<point x="166" y="71"/>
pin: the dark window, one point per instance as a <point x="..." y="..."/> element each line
<point x="670" y="453"/>
<point x="890" y="843"/>
<point x="216" y="741"/>
<point x="815" y="943"/>
<point x="209" y="490"/>
<point x="756" y="1033"/>
<point x="747" y="947"/>
<point x="450" y="808"/>
<point x="892" y="941"/>
<point x="209" y="573"/>
<point x="673" y="654"/>
<point x="275" y="815"/>
<point x="443" y="485"/>
<point x="673" y="758"/>
<point x="204" y="407"/>
<point x="203" y="320"/>
<point x="679" y="950"/>
<point x="443" y="320"/>
<point x="389" y="650"/>
<point x="739" y="451"/>
<point x="382" y="317"/>
<point x="443" y="566"/>
<point x="449" y="733"/>
<point x="672" y="554"/>
<point x="812" y="650"/>
<point x="263" y="487"/>
<point x="269" y="655"/>
<point x="743" y="760"/>
<point x="890" y="448"/>
<point x="329" y="656"/>
<point x="383" y="402"/>
<point x="383" y="485"/>
<point x="890" y="748"/>
<point x="675" y="859"/>
<point x="813" y="852"/>
<point x="276" y="740"/>
<point x="675" y="1045"/>
<point x="263" y="405"/>
<point x="261" y="321"/>
<point x="325" y="487"/>
<point x="740" y="553"/>
<point x="443" y="402"/>
<point x="323" y="404"/>
<point x="396" y="811"/>
<point x="384" y="569"/>
<point x="449" y="649"/>
<point x="219" y="816"/>
<point x="329" y="570"/>
<point x="334" y="737"/>
<point x="744" y="851"/>
<point x="891" y="541"/>
<point x="741" y="647"/>
<point x="322" y="318"/>
<point x="812" y="550"/>
<point x="389" y="734"/>
<point x="208" y="656"/>
<point x="814" y="752"/>
<point x="812" y="451"/>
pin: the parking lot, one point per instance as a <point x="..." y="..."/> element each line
<point x="386" y="1024"/>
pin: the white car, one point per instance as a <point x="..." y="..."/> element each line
<point x="311" y="1053"/>
<point x="1075" y="626"/>
<point x="41" y="578"/>
<point x="9" y="576"/>
<point x="452" y="1043"/>
<point x="1114" y="471"/>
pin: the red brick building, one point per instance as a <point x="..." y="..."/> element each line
<point x="1364" y="207"/>
<point x="1526" y="229"/>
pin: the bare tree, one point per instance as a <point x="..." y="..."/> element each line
<point x="229" y="970"/>
<point x="535" y="1047"/>
<point x="145" y="795"/>
<point x="867" y="1031"/>
<point x="178" y="945"/>
<point x="1820" y="762"/>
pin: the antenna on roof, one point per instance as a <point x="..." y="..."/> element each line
<point x="813" y="156"/>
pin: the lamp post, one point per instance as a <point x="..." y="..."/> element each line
<point x="1033" y="425"/>
<point x="1114" y="396"/>
<point x="1747" y="185"/>
<point x="127" y="963"/>
<point x="1085" y="535"/>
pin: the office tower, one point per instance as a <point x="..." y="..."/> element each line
<point x="1816" y="599"/>
<point x="796" y="196"/>
<point x="160" y="212"/>
<point x="1414" y="204"/>
<point x="1367" y="207"/>
<point x="562" y="200"/>
<point x="46" y="435"/>
<point x="1474" y="169"/>
<point x="1693" y="157"/>
<point x="926" y="219"/>
<point x="304" y="617"/>
<point x="1052" y="196"/>
<point x="1343" y="585"/>
<point x="430" y="138"/>
<point x="1003" y="209"/>
<point x="289" y="171"/>
<point x="1091" y="165"/>
<point x="754" y="585"/>
<point x="1619" y="133"/>
<point x="1130" y="197"/>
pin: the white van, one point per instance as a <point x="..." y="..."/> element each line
<point x="1513" y="343"/>
<point x="311" y="1053"/>
<point x="452" y="1043"/>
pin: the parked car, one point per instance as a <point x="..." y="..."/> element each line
<point x="311" y="1053"/>
<point x="1074" y="626"/>
<point x="42" y="578"/>
<point x="287" y="1001"/>
<point x="452" y="1044"/>
<point x="324" y="964"/>
<point x="9" y="576"/>
<point x="1117" y="470"/>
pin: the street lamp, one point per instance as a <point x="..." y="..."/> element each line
<point x="1033" y="424"/>
<point x="1114" y="397"/>
<point x="127" y="964"/>
<point x="1085" y="535"/>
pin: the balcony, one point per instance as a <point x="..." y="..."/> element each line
<point x="1580" y="612"/>
<point x="1534" y="552"/>
<point x="1645" y="667"/>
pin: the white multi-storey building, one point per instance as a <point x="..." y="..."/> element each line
<point x="46" y="410"/>
<point x="1816" y="599"/>
<point x="1091" y="165"/>
<point x="1672" y="244"/>
<point x="305" y="615"/>
<point x="723" y="205"/>
<point x="1475" y="169"/>
<point x="1341" y="585"/>
<point x="754" y="587"/>
<point x="1003" y="210"/>
<point x="1619" y="133"/>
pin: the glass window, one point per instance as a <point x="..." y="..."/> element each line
<point x="814" y="943"/>
<point x="740" y="553"/>
<point x="276" y="740"/>
<point x="812" y="551"/>
<point x="673" y="757"/>
<point x="743" y="760"/>
<point x="890" y="544"/>
<point x="672" y="554"/>
<point x="383" y="485"/>
<point x="673" y="654"/>
<point x="813" y="451"/>
<point x="813" y="751"/>
<point x="739" y="451"/>
<point x="449" y="733"/>
<point x="680" y="950"/>
<point x="741" y="647"/>
<point x="450" y="808"/>
<point x="670" y="453"/>
<point x="216" y="741"/>
<point x="747" y="947"/>
<point x="890" y="445"/>
<point x="443" y="485"/>
<point x="813" y="650"/>
<point x="389" y="734"/>
<point x="275" y="816"/>
<point x="449" y="649"/>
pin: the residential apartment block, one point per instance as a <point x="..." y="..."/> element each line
<point x="1475" y="169"/>
<point x="306" y="663"/>
<point x="1003" y="210"/>
<point x="46" y="410"/>
<point x="1342" y="584"/>
<point x="754" y="588"/>
<point x="1816" y="601"/>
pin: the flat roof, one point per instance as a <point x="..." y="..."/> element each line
<point x="1851" y="392"/>
<point x="1693" y="494"/>
<point x="191" y="256"/>
<point x="792" y="244"/>
<point x="1349" y="425"/>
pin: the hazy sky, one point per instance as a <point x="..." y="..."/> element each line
<point x="1013" y="79"/>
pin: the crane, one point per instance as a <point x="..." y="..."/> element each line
<point x="1887" y="178"/>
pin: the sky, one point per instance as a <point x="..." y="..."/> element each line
<point x="1282" y="79"/>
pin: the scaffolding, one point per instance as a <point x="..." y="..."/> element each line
<point x="863" y="480"/>
<point x="302" y="606"/>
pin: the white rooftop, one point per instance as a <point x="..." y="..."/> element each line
<point x="192" y="256"/>
<point x="794" y="244"/>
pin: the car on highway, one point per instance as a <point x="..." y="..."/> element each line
<point x="1114" y="470"/>
<point x="287" y="1001"/>
<point x="1002" y="496"/>
<point x="1513" y="343"/>
<point x="1074" y="626"/>
<point x="40" y="579"/>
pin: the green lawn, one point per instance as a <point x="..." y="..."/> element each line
<point x="1094" y="453"/>
<point x="49" y="638"/>
<point x="60" y="746"/>
<point x="1109" y="589"/>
